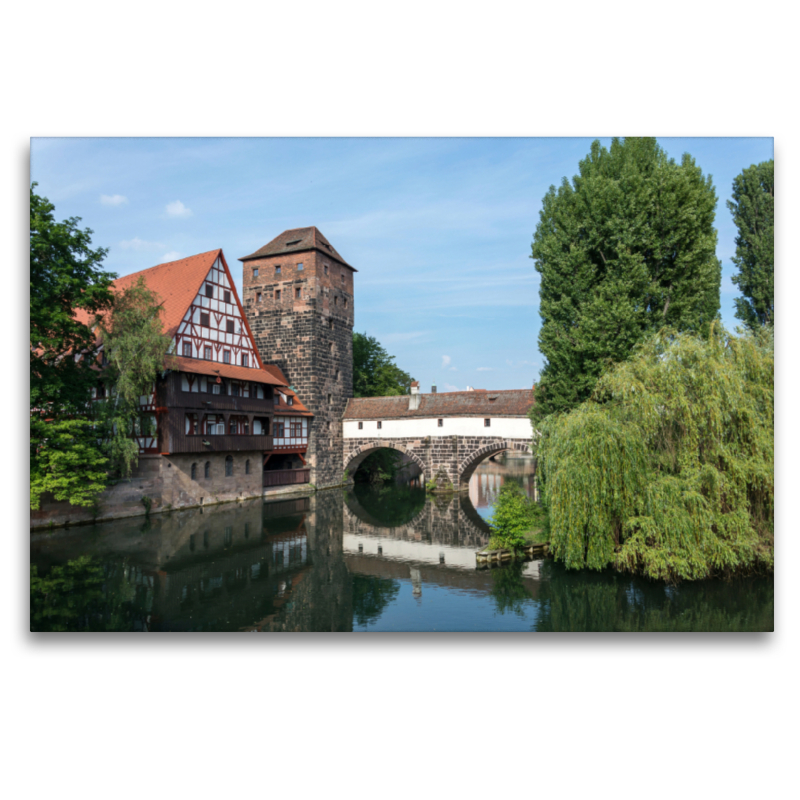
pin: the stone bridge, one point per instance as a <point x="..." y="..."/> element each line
<point x="446" y="435"/>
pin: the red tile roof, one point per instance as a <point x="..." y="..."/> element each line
<point x="200" y="367"/>
<point x="176" y="283"/>
<point x="482" y="403"/>
<point x="298" y="240"/>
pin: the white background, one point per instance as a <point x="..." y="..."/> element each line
<point x="397" y="715"/>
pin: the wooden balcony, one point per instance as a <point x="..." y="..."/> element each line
<point x="185" y="443"/>
<point x="286" y="477"/>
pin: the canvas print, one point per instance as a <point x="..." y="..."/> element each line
<point x="349" y="385"/>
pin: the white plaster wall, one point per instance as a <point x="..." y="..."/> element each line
<point x="418" y="427"/>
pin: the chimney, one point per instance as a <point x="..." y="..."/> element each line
<point x="433" y="389"/>
<point x="414" y="397"/>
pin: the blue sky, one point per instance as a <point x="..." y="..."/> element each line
<point x="439" y="228"/>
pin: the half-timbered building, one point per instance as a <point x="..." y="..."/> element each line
<point x="216" y="413"/>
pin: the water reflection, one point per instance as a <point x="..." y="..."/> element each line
<point x="365" y="559"/>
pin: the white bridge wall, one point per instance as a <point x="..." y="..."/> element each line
<point x="419" y="427"/>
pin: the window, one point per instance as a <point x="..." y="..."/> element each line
<point x="330" y="322"/>
<point x="278" y="270"/>
<point x="226" y="356"/>
<point x="234" y="389"/>
<point x="209" y="290"/>
<point x="278" y="399"/>
<point x="289" y="401"/>
<point x="227" y="296"/>
<point x="245" y="360"/>
<point x="277" y="294"/>
<point x="380" y="425"/>
<point x="326" y="269"/>
<point x="194" y="471"/>
<point x="207" y="470"/>
<point x="229" y="326"/>
<point x="187" y="349"/>
<point x="345" y="302"/>
<point x="228" y="466"/>
<point x="190" y="426"/>
<point x="331" y="347"/>
<point x="361" y="426"/>
<point x="255" y="272"/>
<point x="258" y="297"/>
<point x="204" y="319"/>
<point x="297" y="293"/>
<point x="330" y="399"/>
<point x="338" y="374"/>
<point x="278" y="428"/>
<point x="207" y="353"/>
<point x="300" y="267"/>
<point x="487" y="423"/>
<point x="296" y="429"/>
<point x="232" y="432"/>
<point x="246" y="472"/>
<point x="336" y="301"/>
<point x="441" y="423"/>
<point x="343" y="279"/>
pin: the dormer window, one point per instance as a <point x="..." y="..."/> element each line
<point x="291" y="244"/>
<point x="289" y="401"/>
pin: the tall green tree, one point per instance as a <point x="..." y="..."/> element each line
<point x="753" y="209"/>
<point x="624" y="249"/>
<point x="65" y="277"/>
<point x="374" y="372"/>
<point x="134" y="346"/>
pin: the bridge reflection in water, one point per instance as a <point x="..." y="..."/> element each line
<point x="339" y="561"/>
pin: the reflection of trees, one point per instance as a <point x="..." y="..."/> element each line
<point x="387" y="505"/>
<point x="89" y="595"/>
<point x="508" y="590"/>
<point x="590" y="601"/>
<point x="371" y="595"/>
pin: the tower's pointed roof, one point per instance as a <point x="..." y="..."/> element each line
<point x="299" y="240"/>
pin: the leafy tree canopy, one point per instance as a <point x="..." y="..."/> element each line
<point x="753" y="209"/>
<point x="374" y="372"/>
<point x="65" y="276"/>
<point x="134" y="347"/>
<point x="668" y="470"/>
<point x="625" y="249"/>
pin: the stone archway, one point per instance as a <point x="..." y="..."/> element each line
<point x="469" y="464"/>
<point x="353" y="460"/>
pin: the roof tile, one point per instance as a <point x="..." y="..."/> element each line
<point x="298" y="240"/>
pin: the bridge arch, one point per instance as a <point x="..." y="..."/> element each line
<point x="469" y="464"/>
<point x="353" y="460"/>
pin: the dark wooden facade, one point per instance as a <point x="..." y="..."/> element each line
<point x="173" y="404"/>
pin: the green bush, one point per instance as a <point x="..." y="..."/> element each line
<point x="514" y="519"/>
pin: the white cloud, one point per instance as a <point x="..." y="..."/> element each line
<point x="140" y="244"/>
<point x="446" y="361"/>
<point x="178" y="209"/>
<point x="448" y="387"/>
<point x="113" y="199"/>
<point x="453" y="369"/>
<point x="173" y="255"/>
<point x="485" y="369"/>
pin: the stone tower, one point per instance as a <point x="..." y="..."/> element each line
<point x="298" y="298"/>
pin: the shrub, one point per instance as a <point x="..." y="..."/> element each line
<point x="513" y="520"/>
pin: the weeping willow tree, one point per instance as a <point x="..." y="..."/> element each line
<point x="667" y="471"/>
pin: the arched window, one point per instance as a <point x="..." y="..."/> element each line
<point x="228" y="466"/>
<point x="194" y="471"/>
<point x="247" y="467"/>
<point x="208" y="469"/>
